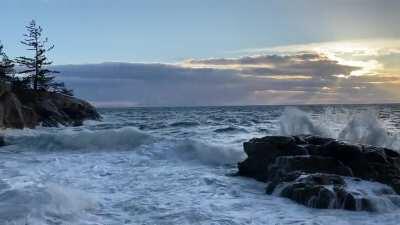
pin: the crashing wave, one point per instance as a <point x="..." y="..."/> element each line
<point x="193" y="151"/>
<point x="123" y="138"/>
<point x="294" y="121"/>
<point x="361" y="127"/>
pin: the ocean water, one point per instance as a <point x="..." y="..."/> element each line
<point x="175" y="166"/>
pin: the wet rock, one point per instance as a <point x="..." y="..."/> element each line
<point x="308" y="164"/>
<point x="315" y="196"/>
<point x="262" y="153"/>
<point x="323" y="191"/>
<point x="308" y="169"/>
<point x="328" y="191"/>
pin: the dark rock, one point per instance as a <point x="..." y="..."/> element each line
<point x="308" y="164"/>
<point x="2" y="142"/>
<point x="316" y="140"/>
<point x="326" y="191"/>
<point x="13" y="114"/>
<point x="302" y="167"/>
<point x="315" y="196"/>
<point x="46" y="108"/>
<point x="271" y="186"/>
<point x="342" y="151"/>
<point x="313" y="191"/>
<point x="262" y="153"/>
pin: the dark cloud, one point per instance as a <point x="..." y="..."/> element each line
<point x="306" y="63"/>
<point x="262" y="59"/>
<point x="152" y="84"/>
<point x="174" y="85"/>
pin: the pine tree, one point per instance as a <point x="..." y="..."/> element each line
<point x="8" y="76"/>
<point x="36" y="67"/>
<point x="6" y="67"/>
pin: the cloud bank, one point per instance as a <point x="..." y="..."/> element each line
<point x="300" y="76"/>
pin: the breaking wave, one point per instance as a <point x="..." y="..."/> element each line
<point x="189" y="150"/>
<point x="124" y="138"/>
<point x="362" y="127"/>
<point x="127" y="138"/>
<point x="294" y="121"/>
<point x="207" y="153"/>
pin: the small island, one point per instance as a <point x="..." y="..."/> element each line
<point x="29" y="93"/>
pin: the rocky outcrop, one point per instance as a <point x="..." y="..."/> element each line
<point x="322" y="172"/>
<point x="15" y="115"/>
<point x="45" y="108"/>
<point x="55" y="108"/>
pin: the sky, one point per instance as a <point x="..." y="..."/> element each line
<point x="217" y="52"/>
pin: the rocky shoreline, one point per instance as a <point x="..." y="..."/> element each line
<point x="50" y="109"/>
<point x="323" y="172"/>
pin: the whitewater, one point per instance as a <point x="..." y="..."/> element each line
<point x="175" y="166"/>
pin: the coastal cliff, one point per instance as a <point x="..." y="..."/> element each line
<point x="30" y="109"/>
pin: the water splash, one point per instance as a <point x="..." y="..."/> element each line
<point x="366" y="128"/>
<point x="295" y="121"/>
<point x="362" y="127"/>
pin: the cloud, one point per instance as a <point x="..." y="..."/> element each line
<point x="261" y="59"/>
<point x="152" y="84"/>
<point x="303" y="64"/>
<point x="371" y="56"/>
<point x="291" y="78"/>
<point x="359" y="47"/>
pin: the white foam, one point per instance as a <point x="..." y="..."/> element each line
<point x="379" y="195"/>
<point x="68" y="201"/>
<point x="362" y="127"/>
<point x="38" y="204"/>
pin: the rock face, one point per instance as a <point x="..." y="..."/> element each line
<point x="54" y="109"/>
<point x="323" y="172"/>
<point x="15" y="115"/>
<point x="48" y="109"/>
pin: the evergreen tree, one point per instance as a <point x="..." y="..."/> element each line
<point x="7" y="74"/>
<point x="6" y="67"/>
<point x="36" y="67"/>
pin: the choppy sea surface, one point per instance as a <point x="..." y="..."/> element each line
<point x="174" y="166"/>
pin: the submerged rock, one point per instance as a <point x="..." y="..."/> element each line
<point x="311" y="170"/>
<point x="46" y="108"/>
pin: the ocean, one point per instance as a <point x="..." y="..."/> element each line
<point x="174" y="166"/>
